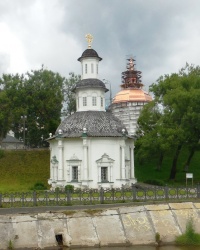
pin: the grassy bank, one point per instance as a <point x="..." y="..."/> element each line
<point x="21" y="170"/>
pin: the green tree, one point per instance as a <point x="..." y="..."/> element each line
<point x="5" y="115"/>
<point x="38" y="96"/>
<point x="9" y="101"/>
<point x="178" y="97"/>
<point x="69" y="94"/>
<point x="148" y="143"/>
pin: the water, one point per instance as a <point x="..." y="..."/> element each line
<point x="129" y="248"/>
<point x="140" y="248"/>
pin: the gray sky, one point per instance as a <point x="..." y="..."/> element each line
<point x="161" y="35"/>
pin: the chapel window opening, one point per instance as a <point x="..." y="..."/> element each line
<point x="84" y="101"/>
<point x="75" y="173"/>
<point x="94" y="101"/>
<point x="97" y="68"/>
<point x="86" y="68"/>
<point x="101" y="101"/>
<point x="92" y="68"/>
<point x="104" y="174"/>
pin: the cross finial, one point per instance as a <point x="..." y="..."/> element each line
<point x="89" y="39"/>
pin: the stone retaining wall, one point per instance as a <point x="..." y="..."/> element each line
<point x="128" y="225"/>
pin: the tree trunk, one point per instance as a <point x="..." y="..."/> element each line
<point x="189" y="159"/>
<point x="174" y="164"/>
<point x="160" y="161"/>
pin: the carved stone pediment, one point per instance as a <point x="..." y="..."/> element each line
<point x="104" y="159"/>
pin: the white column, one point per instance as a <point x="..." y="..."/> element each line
<point x="60" y="160"/>
<point x="132" y="163"/>
<point x="52" y="174"/>
<point x="123" y="162"/>
<point x="55" y="172"/>
<point x="85" y="160"/>
<point x="111" y="173"/>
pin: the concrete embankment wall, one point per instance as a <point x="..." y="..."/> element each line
<point x="128" y="225"/>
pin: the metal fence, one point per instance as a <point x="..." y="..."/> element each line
<point x="97" y="196"/>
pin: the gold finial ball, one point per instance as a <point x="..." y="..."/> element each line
<point x="89" y="39"/>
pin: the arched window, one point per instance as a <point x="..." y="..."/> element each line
<point x="97" y="68"/>
<point x="84" y="101"/>
<point x="101" y="101"/>
<point x="92" y="68"/>
<point x="86" y="68"/>
<point x="94" y="101"/>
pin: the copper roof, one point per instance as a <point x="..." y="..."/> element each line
<point x="132" y="95"/>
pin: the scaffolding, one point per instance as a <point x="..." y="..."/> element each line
<point x="131" y="78"/>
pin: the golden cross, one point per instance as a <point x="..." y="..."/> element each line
<point x="89" y="39"/>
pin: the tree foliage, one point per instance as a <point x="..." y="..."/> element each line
<point x="36" y="95"/>
<point x="69" y="95"/>
<point x="171" y="121"/>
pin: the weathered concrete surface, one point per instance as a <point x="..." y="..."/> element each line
<point x="131" y="225"/>
<point x="137" y="225"/>
<point x="82" y="231"/>
<point x="109" y="228"/>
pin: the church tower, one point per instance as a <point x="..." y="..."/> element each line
<point x="90" y="91"/>
<point x="128" y="103"/>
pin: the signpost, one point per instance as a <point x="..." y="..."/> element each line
<point x="189" y="176"/>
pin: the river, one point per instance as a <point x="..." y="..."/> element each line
<point x="139" y="248"/>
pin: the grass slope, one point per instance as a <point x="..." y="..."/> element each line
<point x="20" y="170"/>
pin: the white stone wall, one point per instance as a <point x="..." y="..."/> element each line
<point x="84" y="153"/>
<point x="87" y="64"/>
<point x="89" y="93"/>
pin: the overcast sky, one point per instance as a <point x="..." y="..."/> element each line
<point x="161" y="35"/>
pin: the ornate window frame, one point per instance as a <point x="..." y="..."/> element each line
<point x="105" y="161"/>
<point x="74" y="161"/>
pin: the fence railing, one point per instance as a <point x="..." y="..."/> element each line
<point x="97" y="196"/>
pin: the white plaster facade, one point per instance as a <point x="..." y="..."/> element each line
<point x="90" y="148"/>
<point x="91" y="156"/>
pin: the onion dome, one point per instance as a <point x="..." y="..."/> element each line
<point x="96" y="124"/>
<point x="132" y="95"/>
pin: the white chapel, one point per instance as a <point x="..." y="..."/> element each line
<point x="91" y="148"/>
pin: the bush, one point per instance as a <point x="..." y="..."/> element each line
<point x="155" y="182"/>
<point x="190" y="237"/>
<point x="39" y="186"/>
<point x="70" y="188"/>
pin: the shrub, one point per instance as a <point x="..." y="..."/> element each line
<point x="70" y="188"/>
<point x="157" y="238"/>
<point x="57" y="189"/>
<point x="155" y="182"/>
<point x="39" y="186"/>
<point x="190" y="237"/>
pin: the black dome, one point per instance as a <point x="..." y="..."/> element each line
<point x="89" y="53"/>
<point x="97" y="124"/>
<point x="91" y="83"/>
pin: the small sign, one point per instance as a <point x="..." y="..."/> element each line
<point x="189" y="176"/>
